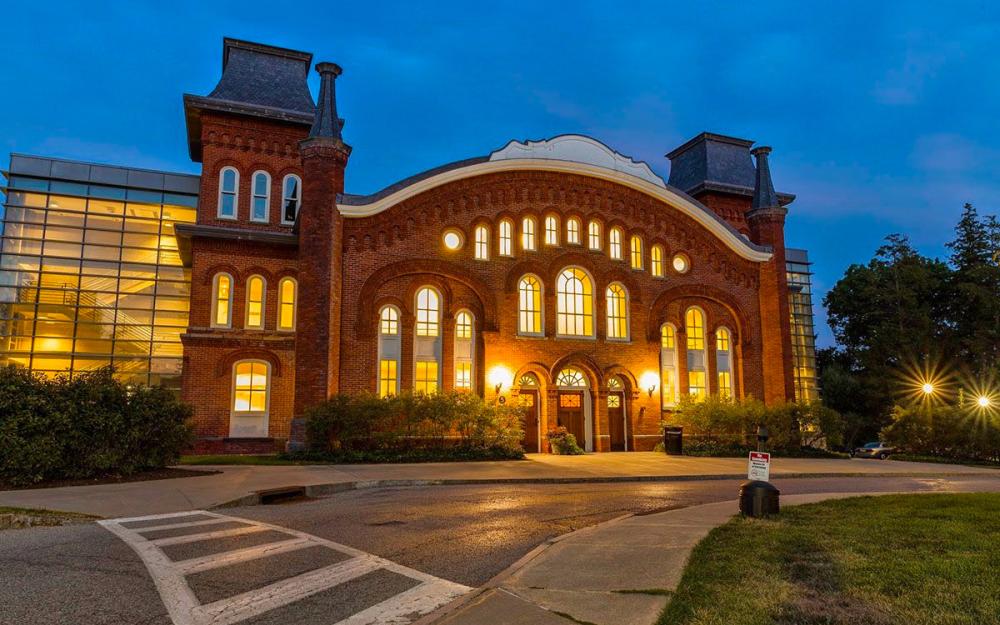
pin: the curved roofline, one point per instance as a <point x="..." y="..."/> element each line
<point x="354" y="206"/>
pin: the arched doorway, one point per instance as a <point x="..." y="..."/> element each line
<point x="573" y="406"/>
<point x="617" y="415"/>
<point x="528" y="397"/>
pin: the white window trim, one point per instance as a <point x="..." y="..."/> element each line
<point x="512" y="239"/>
<point x="545" y="230"/>
<point x="215" y="300"/>
<point x="729" y="361"/>
<point x="579" y="231"/>
<point x="266" y="196"/>
<point x="534" y="234"/>
<point x="475" y="242"/>
<point x="383" y="352"/>
<point x="437" y="340"/>
<point x="295" y="304"/>
<point x="236" y="195"/>
<point x="267" y="395"/>
<point x="541" y="306"/>
<point x="600" y="236"/>
<point x="472" y="352"/>
<point x="628" y="317"/>
<point x="263" y="303"/>
<point x="593" y="306"/>
<point x="284" y="198"/>
<point x="674" y="365"/>
<point x="709" y="383"/>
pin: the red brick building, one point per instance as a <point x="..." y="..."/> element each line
<point x="559" y="273"/>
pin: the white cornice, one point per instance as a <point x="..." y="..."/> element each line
<point x="684" y="204"/>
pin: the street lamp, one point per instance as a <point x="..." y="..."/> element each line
<point x="983" y="401"/>
<point x="927" y="388"/>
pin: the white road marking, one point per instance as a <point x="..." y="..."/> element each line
<point x="185" y="609"/>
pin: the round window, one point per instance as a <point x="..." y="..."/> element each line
<point x="452" y="239"/>
<point x="681" y="263"/>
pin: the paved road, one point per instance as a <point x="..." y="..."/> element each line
<point x="390" y="544"/>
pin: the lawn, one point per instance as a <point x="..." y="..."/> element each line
<point x="911" y="559"/>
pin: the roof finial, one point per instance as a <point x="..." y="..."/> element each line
<point x="326" y="123"/>
<point x="763" y="189"/>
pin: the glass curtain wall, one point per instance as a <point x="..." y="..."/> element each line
<point x="803" y="332"/>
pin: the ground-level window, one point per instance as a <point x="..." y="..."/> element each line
<point x="388" y="379"/>
<point x="724" y="362"/>
<point x="465" y="350"/>
<point x="697" y="358"/>
<point x="668" y="365"/>
<point x="427" y="342"/>
<point x="389" y="349"/>
<point x="250" y="387"/>
<point x="425" y="379"/>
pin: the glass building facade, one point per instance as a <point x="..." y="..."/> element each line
<point x="90" y="273"/>
<point x="803" y="329"/>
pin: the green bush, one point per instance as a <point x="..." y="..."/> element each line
<point x="946" y="431"/>
<point x="92" y="425"/>
<point x="366" y="427"/>
<point x="563" y="443"/>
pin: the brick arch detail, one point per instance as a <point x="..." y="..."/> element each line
<point x="582" y="361"/>
<point x="632" y="385"/>
<point x="541" y="372"/>
<point x="224" y="366"/>
<point x="657" y="310"/>
<point x="257" y="270"/>
<point x="211" y="272"/>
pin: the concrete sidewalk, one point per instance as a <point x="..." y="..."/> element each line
<point x="236" y="482"/>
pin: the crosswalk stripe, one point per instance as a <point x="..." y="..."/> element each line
<point x="170" y="526"/>
<point x="192" y="538"/>
<point x="204" y="563"/>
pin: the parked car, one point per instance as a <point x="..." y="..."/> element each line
<point x="873" y="450"/>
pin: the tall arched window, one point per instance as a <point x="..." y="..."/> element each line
<point x="255" y="303"/>
<point x="572" y="231"/>
<point x="724" y="362"/>
<point x="291" y="198"/>
<point x="222" y="301"/>
<point x="229" y="193"/>
<point x="574" y="303"/>
<point x="260" y="203"/>
<point x="635" y="245"/>
<point x="427" y="342"/>
<point x="594" y="235"/>
<point x="617" y="299"/>
<point x="250" y="399"/>
<point x="551" y="230"/>
<point x="656" y="261"/>
<point x="286" y="304"/>
<point x="481" y="248"/>
<point x="694" y="326"/>
<point x="388" y="351"/>
<point x="668" y="365"/>
<point x="528" y="234"/>
<point x="615" y="243"/>
<point x="529" y="307"/>
<point x="506" y="237"/>
<point x="465" y="350"/>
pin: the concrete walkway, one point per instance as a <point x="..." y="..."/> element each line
<point x="592" y="575"/>
<point x="236" y="482"/>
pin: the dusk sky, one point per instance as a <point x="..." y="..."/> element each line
<point x="883" y="117"/>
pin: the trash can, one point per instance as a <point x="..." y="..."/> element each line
<point x="673" y="440"/>
<point x="758" y="499"/>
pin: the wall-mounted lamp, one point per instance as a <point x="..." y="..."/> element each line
<point x="650" y="381"/>
<point x="496" y="389"/>
<point x="500" y="377"/>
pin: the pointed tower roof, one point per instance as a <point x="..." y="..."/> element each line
<point x="326" y="123"/>
<point x="764" y="196"/>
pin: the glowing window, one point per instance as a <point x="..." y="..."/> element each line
<point x="388" y="321"/>
<point x="463" y="325"/>
<point x="529" y="291"/>
<point x="425" y="379"/>
<point x="388" y="380"/>
<point x="260" y="202"/>
<point x="725" y="384"/>
<point x="573" y="231"/>
<point x="614" y="384"/>
<point x="482" y="247"/>
<point x="694" y="322"/>
<point x="571" y="378"/>
<point x="635" y="246"/>
<point x="656" y="261"/>
<point x="452" y="239"/>
<point x="222" y="301"/>
<point x="617" y="312"/>
<point x="506" y="238"/>
<point x="722" y="340"/>
<point x="291" y="198"/>
<point x="255" y="302"/>
<point x="594" y="235"/>
<point x="428" y="312"/>
<point x="724" y="362"/>
<point x="286" y="304"/>
<point x="694" y="325"/>
<point x="614" y="401"/>
<point x="615" y="243"/>
<point x="528" y="234"/>
<point x="574" y="303"/>
<point x="696" y="384"/>
<point x="668" y="366"/>
<point x="250" y="387"/>
<point x="668" y="337"/>
<point x="551" y="230"/>
<point x="529" y="380"/>
<point x="229" y="183"/>
<point x="681" y="264"/>
<point x="463" y="375"/>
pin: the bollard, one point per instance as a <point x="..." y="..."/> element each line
<point x="758" y="499"/>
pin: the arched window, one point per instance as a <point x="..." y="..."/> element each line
<point x="528" y="234"/>
<point x="229" y="193"/>
<point x="594" y="235"/>
<point x="617" y="299"/>
<point x="668" y="365"/>
<point x="656" y="261"/>
<point x="222" y="301"/>
<point x="694" y="326"/>
<point x="388" y="351"/>
<point x="635" y="245"/>
<point x="250" y="399"/>
<point x="615" y="243"/>
<point x="482" y="243"/>
<point x="427" y="342"/>
<point x="724" y="362"/>
<point x="572" y="231"/>
<point x="255" y="303"/>
<point x="465" y="350"/>
<point x="529" y="292"/>
<point x="551" y="230"/>
<point x="574" y="303"/>
<point x="286" y="304"/>
<point x="506" y="238"/>
<point x="260" y="204"/>
<point x="291" y="198"/>
<point x="572" y="378"/>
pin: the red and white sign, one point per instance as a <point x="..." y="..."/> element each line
<point x="759" y="466"/>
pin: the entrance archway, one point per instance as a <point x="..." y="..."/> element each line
<point x="573" y="406"/>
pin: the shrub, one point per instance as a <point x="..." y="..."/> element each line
<point x="563" y="443"/>
<point x="946" y="431"/>
<point x="89" y="426"/>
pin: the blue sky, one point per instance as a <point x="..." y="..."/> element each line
<point x="883" y="116"/>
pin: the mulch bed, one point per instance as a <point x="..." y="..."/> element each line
<point x="157" y="474"/>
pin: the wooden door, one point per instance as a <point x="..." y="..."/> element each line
<point x="616" y="420"/>
<point x="571" y="414"/>
<point x="529" y="401"/>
